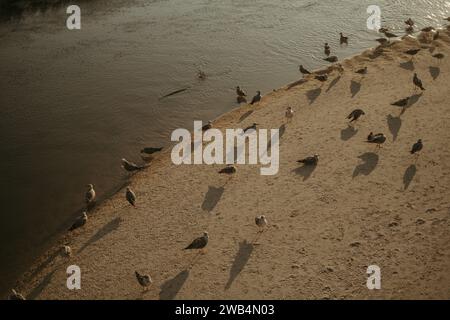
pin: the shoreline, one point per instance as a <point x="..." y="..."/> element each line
<point x="52" y="262"/>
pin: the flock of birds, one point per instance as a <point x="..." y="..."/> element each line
<point x="261" y="221"/>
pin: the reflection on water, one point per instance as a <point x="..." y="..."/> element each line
<point x="73" y="103"/>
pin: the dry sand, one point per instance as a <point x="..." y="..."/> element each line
<point x="357" y="208"/>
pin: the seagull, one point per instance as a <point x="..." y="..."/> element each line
<point x="303" y="70"/>
<point x="321" y="78"/>
<point x="417" y="146"/>
<point x="151" y="150"/>
<point x="331" y="59"/>
<point x="241" y="99"/>
<point x="261" y="222"/>
<point x="382" y="41"/>
<point x="198" y="243"/>
<point x="240" y="92"/>
<point x="355" y="114"/>
<point x="289" y="114"/>
<point x="253" y="126"/>
<point x="207" y="126"/>
<point x="230" y="169"/>
<point x="378" y="138"/>
<point x="90" y="194"/>
<point x="427" y="29"/>
<point x="130" y="196"/>
<point x="66" y="250"/>
<point x="144" y="280"/>
<point x="362" y="71"/>
<point x="438" y="56"/>
<point x="409" y="22"/>
<point x="343" y="39"/>
<point x="390" y="34"/>
<point x="130" y="166"/>
<point x="417" y="82"/>
<point x="327" y="49"/>
<point x="401" y="103"/>
<point x="412" y="52"/>
<point x="256" y="98"/>
<point x="16" y="295"/>
<point x="313" y="160"/>
<point x="81" y="221"/>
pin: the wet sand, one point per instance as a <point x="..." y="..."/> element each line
<point x="360" y="206"/>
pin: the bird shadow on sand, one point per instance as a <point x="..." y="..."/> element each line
<point x="245" y="116"/>
<point x="434" y="72"/>
<point x="170" y="288"/>
<point x="370" y="161"/>
<point x="41" y="286"/>
<point x="355" y="87"/>
<point x="408" y="65"/>
<point x="51" y="257"/>
<point x="106" y="229"/>
<point x="348" y="133"/>
<point x="333" y="83"/>
<point x="394" y="124"/>
<point x="305" y="171"/>
<point x="240" y="260"/>
<point x="212" y="198"/>
<point x="409" y="175"/>
<point x="313" y="94"/>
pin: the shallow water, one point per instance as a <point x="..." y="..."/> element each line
<point x="73" y="103"/>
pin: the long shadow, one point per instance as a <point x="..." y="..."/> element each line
<point x="106" y="229"/>
<point x="41" y="286"/>
<point x="170" y="288"/>
<point x="313" y="94"/>
<point x="409" y="175"/>
<point x="333" y="83"/>
<point x="305" y="171"/>
<point x="241" y="259"/>
<point x="245" y="116"/>
<point x="435" y="72"/>
<point x="45" y="263"/>
<point x="409" y="65"/>
<point x="355" y="87"/>
<point x="212" y="198"/>
<point x="394" y="124"/>
<point x="370" y="161"/>
<point x="348" y="133"/>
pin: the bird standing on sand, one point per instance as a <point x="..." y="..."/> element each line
<point x="327" y="49"/>
<point x="343" y="39"/>
<point x="289" y="114"/>
<point x="240" y="92"/>
<point x="256" y="98"/>
<point x="230" y="169"/>
<point x="253" y="126"/>
<point x="331" y="59"/>
<point x="362" y="71"/>
<point x="261" y="222"/>
<point x="144" y="280"/>
<point x="355" y="114"/>
<point x="151" y="150"/>
<point x="409" y="22"/>
<point x="378" y="138"/>
<point x="199" y="243"/>
<point x="310" y="161"/>
<point x="130" y="166"/>
<point x="412" y="52"/>
<point x="382" y="41"/>
<point x="130" y="196"/>
<point x="417" y="82"/>
<point x="66" y="250"/>
<point x="90" y="194"/>
<point x="438" y="56"/>
<point x="207" y="126"/>
<point x="401" y="103"/>
<point x="303" y="70"/>
<point x="81" y="221"/>
<point x="417" y="146"/>
<point x="321" y="77"/>
<point x="16" y="295"/>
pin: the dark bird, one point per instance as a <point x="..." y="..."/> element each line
<point x="378" y="138"/>
<point x="382" y="41"/>
<point x="256" y="98"/>
<point x="241" y="99"/>
<point x="90" y="194"/>
<point x="417" y="146"/>
<point x="144" y="280"/>
<point x="362" y="71"/>
<point x="151" y="150"/>
<point x="261" y="222"/>
<point x="401" y="103"/>
<point x="383" y="30"/>
<point x="303" y="70"/>
<point x="310" y="161"/>
<point x="447" y="19"/>
<point x="240" y="92"/>
<point x="370" y="136"/>
<point x="331" y="59"/>
<point x="438" y="56"/>
<point x="427" y="29"/>
<point x="81" y="221"/>
<point x="343" y="39"/>
<point x="198" y="243"/>
<point x="253" y="126"/>
<point x="327" y="50"/>
<point x="409" y="22"/>
<point x="355" y="114"/>
<point x="412" y="52"/>
<point x="417" y="82"/>
<point x="130" y="166"/>
<point x="16" y="295"/>
<point x="390" y="34"/>
<point x="230" y="169"/>
<point x="321" y="77"/>
<point x="130" y="196"/>
<point x="207" y="126"/>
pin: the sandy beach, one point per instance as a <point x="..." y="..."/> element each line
<point x="360" y="206"/>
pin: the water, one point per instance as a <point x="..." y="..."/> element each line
<point x="73" y="103"/>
